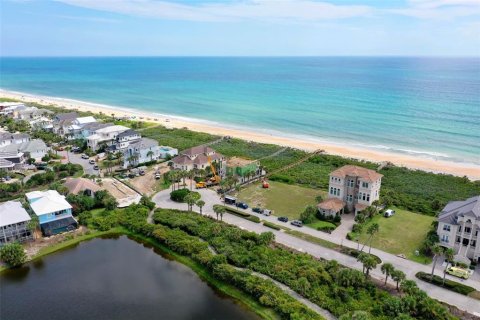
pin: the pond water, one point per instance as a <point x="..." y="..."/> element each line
<point x="111" y="279"/>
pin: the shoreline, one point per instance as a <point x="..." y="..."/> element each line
<point x="471" y="170"/>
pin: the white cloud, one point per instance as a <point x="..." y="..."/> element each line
<point x="439" y="9"/>
<point x="303" y="10"/>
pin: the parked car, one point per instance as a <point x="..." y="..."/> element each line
<point x="297" y="223"/>
<point x="230" y="200"/>
<point x="158" y="176"/>
<point x="91" y="161"/>
<point x="389" y="213"/>
<point x="132" y="175"/>
<point x="242" y="205"/>
<point x="266" y="212"/>
<point x="142" y="172"/>
<point x="75" y="149"/>
<point x="257" y="210"/>
<point x="84" y="156"/>
<point x="283" y="219"/>
<point x="95" y="167"/>
<point x="458" y="272"/>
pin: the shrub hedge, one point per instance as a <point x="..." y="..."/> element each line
<point x="271" y="225"/>
<point x="449" y="284"/>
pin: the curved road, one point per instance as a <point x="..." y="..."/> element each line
<point x="162" y="199"/>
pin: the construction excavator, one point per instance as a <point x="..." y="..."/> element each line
<point x="213" y="180"/>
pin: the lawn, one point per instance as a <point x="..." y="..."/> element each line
<point x="284" y="199"/>
<point x="320" y="224"/>
<point x="401" y="234"/>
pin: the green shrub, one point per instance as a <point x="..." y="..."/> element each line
<point x="355" y="253"/>
<point x="242" y="214"/>
<point x="327" y="229"/>
<point x="449" y="284"/>
<point x="179" y="195"/>
<point x="13" y="254"/>
<point x="271" y="225"/>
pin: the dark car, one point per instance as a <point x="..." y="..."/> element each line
<point x="142" y="173"/>
<point x="283" y="219"/>
<point x="297" y="223"/>
<point x="257" y="210"/>
<point x="91" y="161"/>
<point x="242" y="205"/>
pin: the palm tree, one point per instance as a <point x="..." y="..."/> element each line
<point x="217" y="209"/>
<point x="437" y="251"/>
<point x="119" y="156"/>
<point x="387" y="269"/>
<point x="191" y="175"/>
<point x="200" y="204"/>
<point x="398" y="276"/>
<point x="449" y="255"/>
<point x="190" y="200"/>
<point x="372" y="229"/>
<point x="150" y="154"/>
<point x="33" y="225"/>
<point x="221" y="212"/>
<point x="368" y="261"/>
<point x="408" y="286"/>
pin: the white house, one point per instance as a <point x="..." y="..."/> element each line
<point x="7" y="138"/>
<point x="458" y="228"/>
<point x="14" y="223"/>
<point x="35" y="149"/>
<point x="105" y="136"/>
<point x="145" y="150"/>
<point x="355" y="186"/>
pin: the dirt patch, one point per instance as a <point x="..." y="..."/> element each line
<point x="124" y="195"/>
<point x="147" y="184"/>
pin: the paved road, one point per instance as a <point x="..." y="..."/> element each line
<point x="162" y="199"/>
<point x="76" y="158"/>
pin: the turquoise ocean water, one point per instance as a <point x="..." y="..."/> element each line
<point x="423" y="106"/>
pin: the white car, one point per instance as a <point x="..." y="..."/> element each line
<point x="389" y="213"/>
<point x="84" y="156"/>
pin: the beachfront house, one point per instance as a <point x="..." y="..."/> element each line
<point x="459" y="228"/>
<point x="7" y="108"/>
<point x="200" y="158"/>
<point x="62" y="122"/>
<point x="243" y="169"/>
<point x="76" y="126"/>
<point x="105" y="137"/>
<point x="7" y="138"/>
<point x="356" y="187"/>
<point x="35" y="149"/>
<point x="14" y="221"/>
<point x="145" y="150"/>
<point x="31" y="113"/>
<point x="91" y="128"/>
<point x="124" y="139"/>
<point x="53" y="211"/>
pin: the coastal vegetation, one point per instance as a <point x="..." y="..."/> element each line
<point x="12" y="254"/>
<point x="447" y="284"/>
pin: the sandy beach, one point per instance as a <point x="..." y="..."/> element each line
<point x="410" y="161"/>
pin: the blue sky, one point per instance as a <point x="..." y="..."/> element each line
<point x="239" y="27"/>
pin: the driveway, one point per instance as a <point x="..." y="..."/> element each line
<point x="76" y="158"/>
<point x="162" y="199"/>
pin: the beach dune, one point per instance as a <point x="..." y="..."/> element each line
<point x="472" y="171"/>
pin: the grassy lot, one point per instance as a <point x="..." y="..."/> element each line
<point x="320" y="224"/>
<point x="401" y="234"/>
<point x="284" y="199"/>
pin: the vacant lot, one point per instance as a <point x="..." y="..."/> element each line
<point x="401" y="234"/>
<point x="284" y="199"/>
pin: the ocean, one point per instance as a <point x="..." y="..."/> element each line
<point x="428" y="107"/>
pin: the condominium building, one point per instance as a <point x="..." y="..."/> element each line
<point x="356" y="187"/>
<point x="458" y="228"/>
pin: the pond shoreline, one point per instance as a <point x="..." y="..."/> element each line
<point x="238" y="296"/>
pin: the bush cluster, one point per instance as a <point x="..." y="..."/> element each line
<point x="242" y="214"/>
<point x="449" y="284"/>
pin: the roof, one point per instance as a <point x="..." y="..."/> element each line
<point x="13" y="136"/>
<point x="12" y="212"/>
<point x="127" y="133"/>
<point x="6" y="163"/>
<point x="197" y="150"/>
<point x="66" y="116"/>
<point x="360" y="206"/>
<point x="453" y="209"/>
<point x="96" y="125"/>
<point x="113" y="128"/>
<point x="55" y="226"/>
<point x="29" y="146"/>
<point x="10" y="154"/>
<point x="332" y="204"/>
<point x="200" y="159"/>
<point x="356" y="171"/>
<point x="48" y="201"/>
<point x="182" y="159"/>
<point x="78" y="185"/>
<point x="144" y="143"/>
<point x="85" y="120"/>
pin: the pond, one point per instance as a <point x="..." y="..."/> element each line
<point x="114" y="278"/>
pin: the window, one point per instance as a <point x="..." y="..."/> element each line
<point x="350" y="183"/>
<point x="473" y="243"/>
<point x="350" y="198"/>
<point x="331" y="190"/>
<point x="458" y="239"/>
<point x="364" y="184"/>
<point x="446" y="227"/>
<point x="459" y="228"/>
<point x="468" y="229"/>
<point x="444" y="238"/>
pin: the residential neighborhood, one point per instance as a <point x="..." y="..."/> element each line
<point x="87" y="164"/>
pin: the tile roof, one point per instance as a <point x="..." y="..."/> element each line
<point x="12" y="212"/>
<point x="333" y="204"/>
<point x="356" y="171"/>
<point x="453" y="209"/>
<point x="77" y="185"/>
<point x="197" y="150"/>
<point x="66" y="116"/>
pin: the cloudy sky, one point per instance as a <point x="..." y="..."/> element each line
<point x="239" y="27"/>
